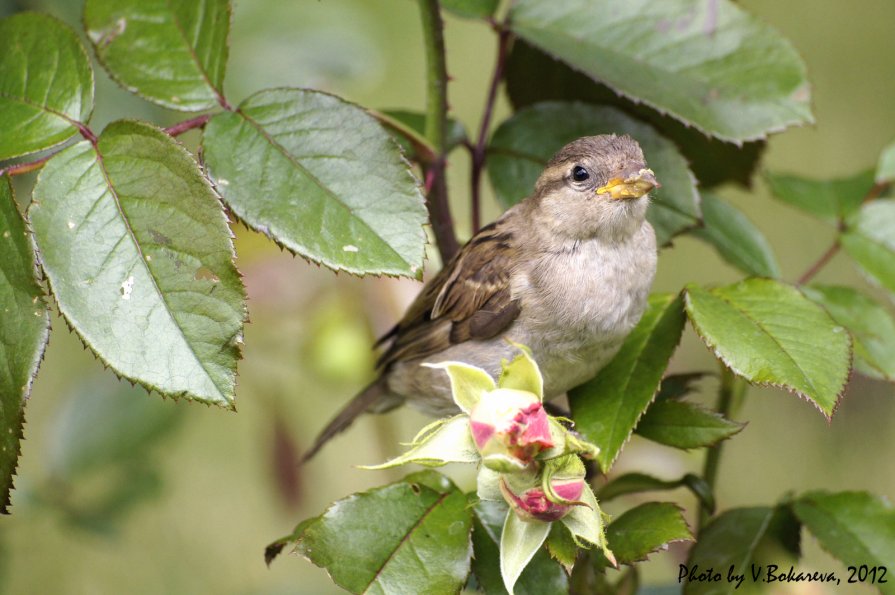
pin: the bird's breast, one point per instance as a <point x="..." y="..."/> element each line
<point x="581" y="301"/>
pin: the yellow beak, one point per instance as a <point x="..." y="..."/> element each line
<point x="633" y="186"/>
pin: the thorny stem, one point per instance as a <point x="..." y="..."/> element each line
<point x="478" y="150"/>
<point x="730" y="394"/>
<point x="872" y="194"/>
<point x="436" y="128"/>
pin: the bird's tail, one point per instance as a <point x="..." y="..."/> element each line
<point x="375" y="398"/>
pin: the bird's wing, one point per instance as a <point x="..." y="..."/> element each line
<point x="469" y="299"/>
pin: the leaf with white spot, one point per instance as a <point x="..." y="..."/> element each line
<point x="322" y="178"/>
<point x="139" y="257"/>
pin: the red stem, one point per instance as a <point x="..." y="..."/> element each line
<point x="478" y="151"/>
<point x="819" y="264"/>
<point x="23" y="168"/>
<point x="872" y="194"/>
<point x="187" y="125"/>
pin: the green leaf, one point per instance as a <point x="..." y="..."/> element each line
<point x="856" y="527"/>
<point x="770" y="334"/>
<point x="712" y="66"/>
<point x="411" y="536"/>
<point x="676" y="386"/>
<point x="132" y="423"/>
<point x="737" y="239"/>
<point x="136" y="248"/>
<point x="24" y="330"/>
<point x="885" y="171"/>
<point x="320" y="177"/>
<point x="869" y="239"/>
<point x="829" y="200"/>
<point x="171" y="53"/>
<point x="633" y="483"/>
<point x="585" y="523"/>
<point x="523" y="144"/>
<point x="606" y="409"/>
<point x="470" y="9"/>
<point x="685" y="425"/>
<point x="409" y="130"/>
<point x="468" y="383"/>
<point x="519" y="542"/>
<point x="445" y="441"/>
<point x="645" y="529"/>
<point x="46" y="84"/>
<point x="522" y="373"/>
<point x="561" y="546"/>
<point x="713" y="161"/>
<point x="542" y="576"/>
<point x="871" y="326"/>
<point x="734" y="538"/>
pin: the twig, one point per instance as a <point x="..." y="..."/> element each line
<point x="187" y="125"/>
<point x="478" y="151"/>
<point x="436" y="128"/>
<point x="875" y="192"/>
<point x="819" y="263"/>
<point x="23" y="168"/>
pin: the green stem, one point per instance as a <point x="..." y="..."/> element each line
<point x="730" y="396"/>
<point x="436" y="128"/>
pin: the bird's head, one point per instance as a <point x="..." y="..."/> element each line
<point x="595" y="186"/>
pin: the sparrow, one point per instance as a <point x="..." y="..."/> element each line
<point x="565" y="272"/>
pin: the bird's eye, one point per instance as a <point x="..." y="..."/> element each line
<point x="579" y="174"/>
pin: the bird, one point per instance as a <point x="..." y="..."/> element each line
<point x="565" y="272"/>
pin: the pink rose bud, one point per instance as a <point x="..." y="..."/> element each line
<point x="533" y="503"/>
<point x="509" y="428"/>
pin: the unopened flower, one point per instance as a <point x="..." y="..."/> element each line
<point x="509" y="428"/>
<point x="535" y="503"/>
<point x="548" y="494"/>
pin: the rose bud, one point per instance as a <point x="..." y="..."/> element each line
<point x="549" y="495"/>
<point x="535" y="503"/>
<point x="510" y="428"/>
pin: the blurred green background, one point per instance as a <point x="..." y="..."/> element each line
<point x="119" y="492"/>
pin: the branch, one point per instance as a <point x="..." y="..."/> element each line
<point x="436" y="128"/>
<point x="875" y="192"/>
<point x="820" y="263"/>
<point x="175" y="130"/>
<point x="187" y="125"/>
<point x="23" y="168"/>
<point x="478" y="151"/>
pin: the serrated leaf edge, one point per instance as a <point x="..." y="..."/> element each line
<point x="237" y="341"/>
<point x="36" y="360"/>
<point x="415" y="270"/>
<point x="791" y="390"/>
<point x="218" y="93"/>
<point x="69" y="30"/>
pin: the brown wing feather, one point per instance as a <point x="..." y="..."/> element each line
<point x="469" y="299"/>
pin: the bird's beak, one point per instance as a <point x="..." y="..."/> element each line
<point x="633" y="185"/>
